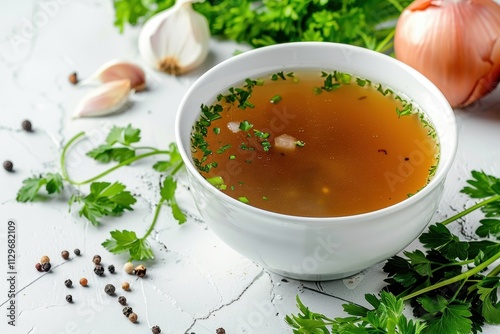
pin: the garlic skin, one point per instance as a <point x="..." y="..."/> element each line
<point x="175" y="40"/>
<point x="109" y="98"/>
<point x="454" y="43"/>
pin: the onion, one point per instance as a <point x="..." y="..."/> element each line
<point x="233" y="126"/>
<point x="285" y="143"/>
<point x="455" y="43"/>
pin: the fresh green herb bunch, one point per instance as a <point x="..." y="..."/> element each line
<point x="368" y="23"/>
<point x="452" y="285"/>
<point x="112" y="199"/>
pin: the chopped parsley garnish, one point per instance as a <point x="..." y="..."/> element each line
<point x="244" y="146"/>
<point x="300" y="143"/>
<point x="361" y="82"/>
<point x="406" y="111"/>
<point x="384" y="92"/>
<point x="317" y="90"/>
<point x="216" y="131"/>
<point x="232" y="157"/>
<point x="277" y="76"/>
<point x="344" y="78"/>
<point x="329" y="84"/>
<point x="243" y="199"/>
<point x="240" y="95"/>
<point x="260" y="134"/>
<point x="216" y="180"/>
<point x="266" y="145"/>
<point x="275" y="99"/>
<point x="223" y="148"/>
<point x="245" y="126"/>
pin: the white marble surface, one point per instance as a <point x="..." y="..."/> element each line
<point x="196" y="283"/>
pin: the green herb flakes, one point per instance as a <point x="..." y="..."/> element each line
<point x="243" y="199"/>
<point x="275" y="99"/>
<point x="245" y="126"/>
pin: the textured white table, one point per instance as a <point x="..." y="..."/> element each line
<point x="196" y="284"/>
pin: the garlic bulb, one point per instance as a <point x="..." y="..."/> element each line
<point x="109" y="98"/>
<point x="175" y="40"/>
<point x="455" y="43"/>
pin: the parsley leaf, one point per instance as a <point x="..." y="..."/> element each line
<point x="107" y="153"/>
<point x="386" y="317"/>
<point x="446" y="317"/>
<point x="487" y="290"/>
<point x="167" y="192"/>
<point x="127" y="241"/>
<point x="170" y="165"/>
<point x="124" y="136"/>
<point x="31" y="188"/>
<point x="482" y="185"/>
<point x="105" y="199"/>
<point x="489" y="227"/>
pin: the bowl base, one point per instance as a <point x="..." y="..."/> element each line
<point x="313" y="277"/>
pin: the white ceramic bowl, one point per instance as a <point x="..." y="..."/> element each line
<point x="317" y="248"/>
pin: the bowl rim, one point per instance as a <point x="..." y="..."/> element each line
<point x="443" y="166"/>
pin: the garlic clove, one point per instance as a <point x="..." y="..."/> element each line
<point x="119" y="70"/>
<point x="123" y="70"/>
<point x="175" y="40"/>
<point x="109" y="98"/>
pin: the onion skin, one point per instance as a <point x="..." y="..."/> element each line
<point x="454" y="43"/>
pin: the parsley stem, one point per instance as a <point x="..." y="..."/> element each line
<point x="472" y="208"/>
<point x="121" y="164"/>
<point x="462" y="276"/>
<point x="155" y="219"/>
<point x="64" y="170"/>
<point x="63" y="155"/>
<point x="495" y="271"/>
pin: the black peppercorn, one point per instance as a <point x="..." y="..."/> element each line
<point x="68" y="283"/>
<point x="27" y="125"/>
<point x="46" y="266"/>
<point x="122" y="300"/>
<point x="156" y="330"/>
<point x="96" y="259"/>
<point x="69" y="298"/>
<point x="109" y="289"/>
<point x="38" y="267"/>
<point x="220" y="331"/>
<point x="8" y="166"/>
<point x="65" y="254"/>
<point x="111" y="268"/>
<point x="126" y="311"/>
<point x="99" y="270"/>
<point x="140" y="270"/>
<point x="77" y="252"/>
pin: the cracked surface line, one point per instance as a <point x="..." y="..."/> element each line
<point x="36" y="279"/>
<point x="328" y="294"/>
<point x="145" y="303"/>
<point x="45" y="307"/>
<point x="195" y="320"/>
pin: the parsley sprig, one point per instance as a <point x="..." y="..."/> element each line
<point x="368" y="23"/>
<point x="112" y="199"/>
<point x="452" y="284"/>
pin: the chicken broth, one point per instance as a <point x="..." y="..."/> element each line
<point x="314" y="144"/>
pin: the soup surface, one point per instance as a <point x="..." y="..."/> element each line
<point x="314" y="144"/>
